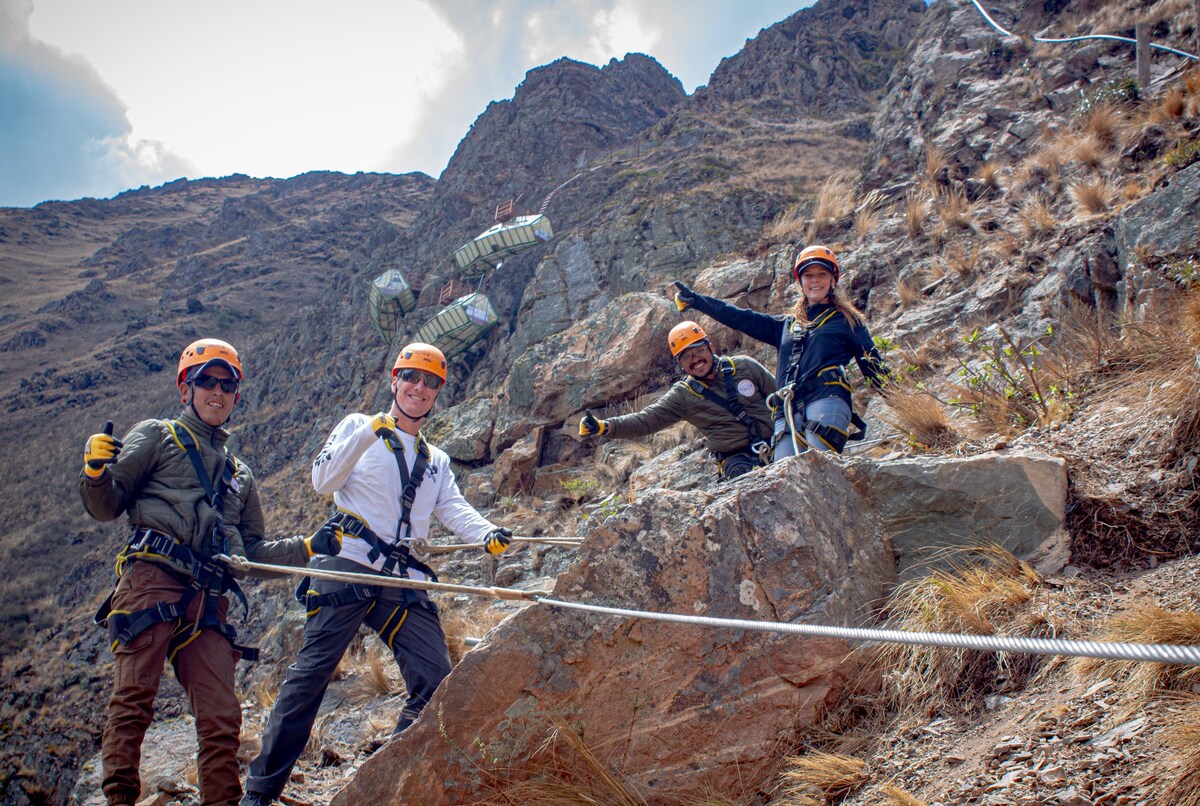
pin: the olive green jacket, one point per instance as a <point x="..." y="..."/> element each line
<point x="722" y="432"/>
<point x="154" y="483"/>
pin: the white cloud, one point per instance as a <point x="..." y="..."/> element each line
<point x="99" y="95"/>
<point x="63" y="130"/>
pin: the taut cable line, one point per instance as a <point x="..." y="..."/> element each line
<point x="1104" y="650"/>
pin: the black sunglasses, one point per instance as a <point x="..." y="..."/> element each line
<point x="432" y="382"/>
<point x="228" y="385"/>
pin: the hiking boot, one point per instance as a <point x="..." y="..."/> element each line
<point x="255" y="799"/>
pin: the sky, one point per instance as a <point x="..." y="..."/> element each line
<point x="99" y="96"/>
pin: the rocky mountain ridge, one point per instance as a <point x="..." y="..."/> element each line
<point x="715" y="189"/>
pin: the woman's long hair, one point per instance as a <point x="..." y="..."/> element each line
<point x="839" y="300"/>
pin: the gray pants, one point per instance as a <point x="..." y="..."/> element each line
<point x="831" y="411"/>
<point x="405" y="620"/>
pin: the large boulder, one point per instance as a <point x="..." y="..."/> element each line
<point x="1154" y="232"/>
<point x="601" y="360"/>
<point x="1014" y="499"/>
<point x="464" y="431"/>
<point x="673" y="706"/>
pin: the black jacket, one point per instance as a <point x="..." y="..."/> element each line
<point x="810" y="356"/>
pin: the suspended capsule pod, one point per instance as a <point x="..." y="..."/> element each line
<point x="390" y="298"/>
<point x="503" y="240"/>
<point x="459" y="325"/>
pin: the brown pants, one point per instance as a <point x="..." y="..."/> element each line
<point x="205" y="669"/>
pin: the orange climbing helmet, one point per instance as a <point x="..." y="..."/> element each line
<point x="821" y="256"/>
<point x="421" y="356"/>
<point x="684" y="335"/>
<point x="203" y="352"/>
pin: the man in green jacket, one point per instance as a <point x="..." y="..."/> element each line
<point x="723" y="396"/>
<point x="187" y="500"/>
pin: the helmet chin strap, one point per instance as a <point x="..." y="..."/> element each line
<point x="192" y="406"/>
<point x="413" y="417"/>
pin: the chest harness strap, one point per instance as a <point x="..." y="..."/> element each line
<point x="791" y="350"/>
<point x="397" y="555"/>
<point x="200" y="571"/>
<point x="755" y="431"/>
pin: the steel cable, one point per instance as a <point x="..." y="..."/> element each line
<point x="1107" y="650"/>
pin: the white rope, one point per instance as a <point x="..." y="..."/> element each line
<point x="1062" y="40"/>
<point x="1156" y="653"/>
<point x="446" y="548"/>
<point x="354" y="578"/>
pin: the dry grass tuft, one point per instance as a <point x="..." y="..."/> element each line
<point x="937" y="164"/>
<point x="1003" y="245"/>
<point x="460" y="623"/>
<point x="908" y="292"/>
<point x="1036" y="217"/>
<point x="993" y="595"/>
<point x="989" y="174"/>
<point x="963" y="261"/>
<point x="1171" y="108"/>
<point x="788" y="226"/>
<point x="895" y="796"/>
<point x="1147" y="382"/>
<point x="920" y="417"/>
<point x="916" y="212"/>
<point x="566" y="772"/>
<point x="1146" y="624"/>
<point x="836" y="200"/>
<point x="374" y="679"/>
<point x="870" y="211"/>
<point x="1092" y="197"/>
<point x="1087" y="150"/>
<point x="1104" y="122"/>
<point x="819" y="778"/>
<point x="1183" y="785"/>
<point x="954" y="209"/>
<point x="1044" y="166"/>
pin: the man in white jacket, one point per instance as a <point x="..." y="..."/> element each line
<point x="387" y="482"/>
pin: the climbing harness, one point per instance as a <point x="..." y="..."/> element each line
<point x="757" y="446"/>
<point x="1107" y="650"/>
<point x="834" y="437"/>
<point x="397" y="555"/>
<point x="199" y="570"/>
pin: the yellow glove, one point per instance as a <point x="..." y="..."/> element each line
<point x="327" y="540"/>
<point x="498" y="540"/>
<point x="684" y="297"/>
<point x="100" y="450"/>
<point x="589" y="426"/>
<point x="383" y="424"/>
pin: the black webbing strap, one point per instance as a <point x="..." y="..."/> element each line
<point x="791" y="344"/>
<point x="398" y="554"/>
<point x="754" y="429"/>
<point x="183" y="435"/>
<point x="201" y="574"/>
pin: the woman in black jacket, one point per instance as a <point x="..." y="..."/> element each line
<point x="822" y="334"/>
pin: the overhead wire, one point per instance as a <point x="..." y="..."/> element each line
<point x="1084" y="37"/>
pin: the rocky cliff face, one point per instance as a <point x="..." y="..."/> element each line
<point x="831" y="59"/>
<point x="99" y="296"/>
